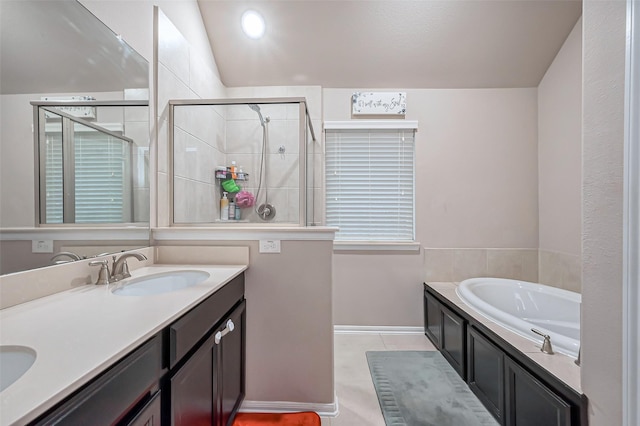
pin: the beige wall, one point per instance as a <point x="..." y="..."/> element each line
<point x="559" y="166"/>
<point x="603" y="154"/>
<point x="476" y="188"/>
<point x="289" y="322"/>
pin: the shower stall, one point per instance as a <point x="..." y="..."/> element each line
<point x="91" y="161"/>
<point x="242" y="162"/>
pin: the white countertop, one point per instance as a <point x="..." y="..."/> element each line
<point x="80" y="332"/>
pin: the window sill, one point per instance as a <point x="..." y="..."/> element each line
<point x="376" y="246"/>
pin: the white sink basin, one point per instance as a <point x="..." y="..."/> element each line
<point x="160" y="283"/>
<point x="14" y="362"/>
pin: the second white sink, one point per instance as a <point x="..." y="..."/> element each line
<point x="160" y="283"/>
<point x="14" y="362"/>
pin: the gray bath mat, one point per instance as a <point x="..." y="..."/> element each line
<point x="419" y="388"/>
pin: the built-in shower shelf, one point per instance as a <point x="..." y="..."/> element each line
<point x="243" y="178"/>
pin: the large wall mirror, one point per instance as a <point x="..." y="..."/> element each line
<point x="74" y="136"/>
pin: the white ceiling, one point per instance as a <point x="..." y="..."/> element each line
<point x="390" y="43"/>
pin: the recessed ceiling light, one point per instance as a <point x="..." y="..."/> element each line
<point x="253" y="24"/>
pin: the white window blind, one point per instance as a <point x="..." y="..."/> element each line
<point x="370" y="183"/>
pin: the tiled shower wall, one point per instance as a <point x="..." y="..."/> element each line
<point x="210" y="136"/>
<point x="283" y="179"/>
<point x="199" y="144"/>
<point x="280" y="185"/>
<point x="136" y="124"/>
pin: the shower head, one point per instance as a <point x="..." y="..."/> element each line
<point x="256" y="108"/>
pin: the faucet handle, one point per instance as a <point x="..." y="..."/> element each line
<point x="125" y="270"/>
<point x="546" y="344"/>
<point x="103" y="274"/>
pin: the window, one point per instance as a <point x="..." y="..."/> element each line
<point x="370" y="180"/>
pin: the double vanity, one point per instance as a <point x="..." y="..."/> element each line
<point x="166" y="346"/>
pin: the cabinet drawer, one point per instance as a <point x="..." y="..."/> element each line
<point x="111" y="397"/>
<point x="186" y="332"/>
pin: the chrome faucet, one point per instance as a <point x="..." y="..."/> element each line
<point x="68" y="254"/>
<point x="120" y="269"/>
<point x="546" y="344"/>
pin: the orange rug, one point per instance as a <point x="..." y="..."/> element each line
<point x="307" y="418"/>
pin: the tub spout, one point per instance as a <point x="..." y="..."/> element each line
<point x="546" y="344"/>
<point x="577" y="361"/>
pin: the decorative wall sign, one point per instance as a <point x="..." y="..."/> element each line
<point x="86" y="112"/>
<point x="379" y="103"/>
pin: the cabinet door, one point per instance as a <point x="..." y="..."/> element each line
<point x="231" y="365"/>
<point x="530" y="403"/>
<point x="432" y="319"/>
<point x="150" y="414"/>
<point x="453" y="340"/>
<point x="485" y="373"/>
<point x="193" y="388"/>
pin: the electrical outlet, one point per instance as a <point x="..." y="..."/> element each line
<point x="42" y="246"/>
<point x="269" y="246"/>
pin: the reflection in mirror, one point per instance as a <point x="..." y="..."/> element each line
<point x="56" y="51"/>
<point x="91" y="170"/>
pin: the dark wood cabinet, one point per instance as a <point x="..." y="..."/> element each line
<point x="209" y="387"/>
<point x="117" y="395"/>
<point x="453" y="340"/>
<point x="206" y="382"/>
<point x="432" y="319"/>
<point x="150" y="415"/>
<point x="231" y="366"/>
<point x="515" y="390"/>
<point x="191" y="373"/>
<point x="485" y="372"/>
<point x="530" y="403"/>
<point x="446" y="330"/>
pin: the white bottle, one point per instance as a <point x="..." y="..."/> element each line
<point x="224" y="207"/>
<point x="232" y="210"/>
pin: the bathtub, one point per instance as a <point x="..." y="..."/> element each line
<point x="520" y="306"/>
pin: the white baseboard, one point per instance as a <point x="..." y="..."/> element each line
<point x="378" y="329"/>
<point x="323" y="410"/>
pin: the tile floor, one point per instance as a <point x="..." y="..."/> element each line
<point x="356" y="396"/>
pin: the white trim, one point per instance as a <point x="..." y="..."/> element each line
<point x="371" y="125"/>
<point x="323" y="410"/>
<point x="631" y="225"/>
<point x="376" y="329"/>
<point x="248" y="233"/>
<point x="374" y="246"/>
<point x="72" y="234"/>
